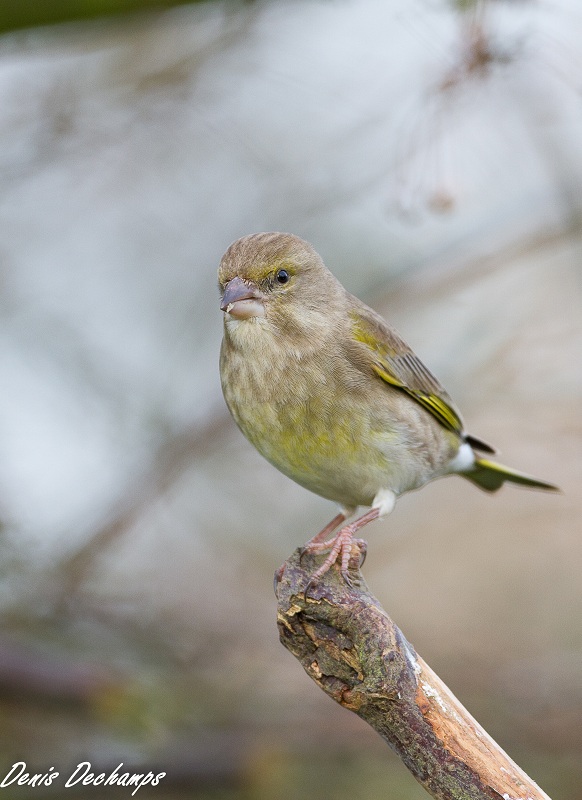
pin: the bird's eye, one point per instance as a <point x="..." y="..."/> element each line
<point x="282" y="276"/>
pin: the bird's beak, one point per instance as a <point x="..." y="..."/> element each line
<point x="242" y="300"/>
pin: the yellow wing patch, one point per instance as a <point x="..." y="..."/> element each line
<point x="394" y="362"/>
<point x="436" y="405"/>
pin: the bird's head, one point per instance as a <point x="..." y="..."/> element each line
<point x="275" y="278"/>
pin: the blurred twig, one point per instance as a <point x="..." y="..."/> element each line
<point x="349" y="646"/>
<point x="172" y="456"/>
<point x="28" y="674"/>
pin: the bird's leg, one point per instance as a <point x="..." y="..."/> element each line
<point x="343" y="545"/>
<point x="319" y="541"/>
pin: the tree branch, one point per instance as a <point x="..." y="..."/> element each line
<point x="350" y="647"/>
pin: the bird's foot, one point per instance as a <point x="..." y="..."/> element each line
<point x="343" y="547"/>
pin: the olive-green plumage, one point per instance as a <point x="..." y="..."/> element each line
<point x="327" y="391"/>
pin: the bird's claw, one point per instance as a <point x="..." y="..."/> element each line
<point x="277" y="577"/>
<point x="363" y="548"/>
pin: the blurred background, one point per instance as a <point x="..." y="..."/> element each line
<point x="431" y="150"/>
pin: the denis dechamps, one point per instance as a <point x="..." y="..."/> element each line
<point x="81" y="776"/>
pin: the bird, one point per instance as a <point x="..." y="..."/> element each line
<point x="329" y="393"/>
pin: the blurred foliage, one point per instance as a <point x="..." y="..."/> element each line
<point x="17" y="14"/>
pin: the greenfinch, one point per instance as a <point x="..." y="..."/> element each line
<point x="332" y="396"/>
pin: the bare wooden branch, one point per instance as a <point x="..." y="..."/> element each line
<point x="350" y="647"/>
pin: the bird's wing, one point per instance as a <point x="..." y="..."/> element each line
<point x="396" y="364"/>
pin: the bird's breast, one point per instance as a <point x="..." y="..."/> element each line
<point x="339" y="436"/>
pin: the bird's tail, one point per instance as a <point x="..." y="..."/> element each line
<point x="491" y="476"/>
